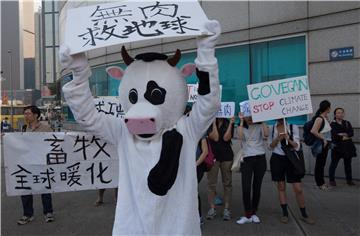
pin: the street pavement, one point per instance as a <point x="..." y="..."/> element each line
<point x="336" y="212"/>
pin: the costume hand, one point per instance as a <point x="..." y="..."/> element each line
<point x="77" y="62"/>
<point x="209" y="41"/>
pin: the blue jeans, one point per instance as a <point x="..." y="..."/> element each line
<point x="27" y="202"/>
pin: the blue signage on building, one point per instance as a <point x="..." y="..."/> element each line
<point x="341" y="53"/>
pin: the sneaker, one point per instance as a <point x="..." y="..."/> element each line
<point x="333" y="183"/>
<point x="49" y="217"/>
<point x="226" y="214"/>
<point x="308" y="220"/>
<point x="244" y="220"/>
<point x="202" y="220"/>
<point x="284" y="219"/>
<point x="25" y="219"/>
<point x="324" y="187"/>
<point x="351" y="183"/>
<point x="211" y="214"/>
<point x="255" y="219"/>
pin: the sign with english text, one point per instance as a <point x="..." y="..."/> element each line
<point x="103" y="25"/>
<point x="227" y="110"/>
<point x="50" y="162"/>
<point x="193" y="92"/>
<point x="279" y="99"/>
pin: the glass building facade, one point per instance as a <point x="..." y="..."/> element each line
<point x="50" y="39"/>
<point x="239" y="65"/>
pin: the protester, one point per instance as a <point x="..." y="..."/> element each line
<point x="100" y="198"/>
<point x="341" y="133"/>
<point x="253" y="167"/>
<point x="5" y="125"/>
<point x="220" y="136"/>
<point x="201" y="168"/>
<point x="32" y="115"/>
<point x="281" y="167"/>
<point x="322" y="131"/>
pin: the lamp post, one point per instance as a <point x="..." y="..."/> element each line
<point x="11" y="88"/>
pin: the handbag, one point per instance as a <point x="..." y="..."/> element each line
<point x="297" y="160"/>
<point x="239" y="156"/>
<point x="210" y="158"/>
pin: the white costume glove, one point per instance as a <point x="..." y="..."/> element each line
<point x="209" y="41"/>
<point x="77" y="63"/>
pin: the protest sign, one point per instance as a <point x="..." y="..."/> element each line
<point x="103" y="25"/>
<point x="109" y="105"/>
<point x="58" y="162"/>
<point x="279" y="99"/>
<point x="193" y="92"/>
<point x="227" y="110"/>
<point x="245" y="108"/>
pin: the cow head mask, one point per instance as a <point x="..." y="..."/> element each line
<point x="152" y="91"/>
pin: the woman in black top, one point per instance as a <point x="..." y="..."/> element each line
<point x="220" y="136"/>
<point x="341" y="132"/>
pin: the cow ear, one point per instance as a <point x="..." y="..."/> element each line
<point x="188" y="69"/>
<point x="115" y="72"/>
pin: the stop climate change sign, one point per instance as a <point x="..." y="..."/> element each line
<point x="279" y="99"/>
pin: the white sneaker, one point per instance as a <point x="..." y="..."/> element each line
<point x="244" y="220"/>
<point x="255" y="219"/>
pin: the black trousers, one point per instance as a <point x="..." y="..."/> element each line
<point x="200" y="170"/>
<point x="27" y="202"/>
<point x="320" y="166"/>
<point x="335" y="158"/>
<point x="252" y="173"/>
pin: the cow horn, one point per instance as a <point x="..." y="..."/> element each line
<point x="175" y="59"/>
<point x="127" y="59"/>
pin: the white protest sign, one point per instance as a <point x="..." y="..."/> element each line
<point x="193" y="92"/>
<point x="109" y="105"/>
<point x="227" y="110"/>
<point x="279" y="99"/>
<point x="58" y="162"/>
<point x="245" y="108"/>
<point x="103" y="25"/>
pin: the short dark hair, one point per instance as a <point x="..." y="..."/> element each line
<point x="338" y="108"/>
<point x="34" y="109"/>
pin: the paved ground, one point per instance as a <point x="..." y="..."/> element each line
<point x="337" y="213"/>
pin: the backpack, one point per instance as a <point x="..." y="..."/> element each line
<point x="210" y="158"/>
<point x="309" y="138"/>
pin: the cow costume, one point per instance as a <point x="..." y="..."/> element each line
<point x="155" y="142"/>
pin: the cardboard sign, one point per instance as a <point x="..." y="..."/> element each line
<point x="58" y="162"/>
<point x="279" y="99"/>
<point x="103" y="25"/>
<point x="245" y="108"/>
<point x="227" y="110"/>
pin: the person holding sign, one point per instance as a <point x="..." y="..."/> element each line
<point x="253" y="166"/>
<point x="32" y="115"/>
<point x="282" y="169"/>
<point x="220" y="136"/>
<point x="155" y="142"/>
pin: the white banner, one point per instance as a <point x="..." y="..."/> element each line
<point x="103" y="25"/>
<point x="227" y="110"/>
<point x="109" y="105"/>
<point x="279" y="99"/>
<point x="58" y="162"/>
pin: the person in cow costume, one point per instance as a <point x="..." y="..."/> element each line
<point x="156" y="143"/>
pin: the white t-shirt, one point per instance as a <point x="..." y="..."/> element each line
<point x="253" y="142"/>
<point x="278" y="150"/>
